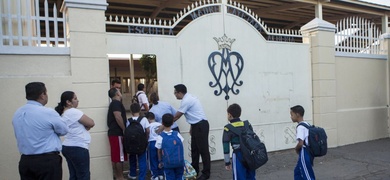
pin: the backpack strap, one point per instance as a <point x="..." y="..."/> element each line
<point x="138" y="95"/>
<point x="235" y="130"/>
<point x="304" y="124"/>
<point x="246" y="124"/>
<point x="139" y="119"/>
<point x="307" y="126"/>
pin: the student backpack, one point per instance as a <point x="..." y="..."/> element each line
<point x="135" y="98"/>
<point x="253" y="150"/>
<point x="318" y="145"/>
<point x="172" y="150"/>
<point x="135" y="140"/>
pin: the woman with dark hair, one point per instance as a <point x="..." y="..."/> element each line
<point x="160" y="108"/>
<point x="76" y="142"/>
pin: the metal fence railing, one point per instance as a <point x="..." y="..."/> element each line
<point x="23" y="25"/>
<point x="357" y="35"/>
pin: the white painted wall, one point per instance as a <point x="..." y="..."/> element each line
<point x="361" y="99"/>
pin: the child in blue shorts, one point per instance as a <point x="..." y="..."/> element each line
<point x="170" y="150"/>
<point x="157" y="173"/>
<point x="304" y="168"/>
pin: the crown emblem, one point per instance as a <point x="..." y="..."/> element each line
<point x="224" y="42"/>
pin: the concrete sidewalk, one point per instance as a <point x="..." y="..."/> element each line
<point x="362" y="161"/>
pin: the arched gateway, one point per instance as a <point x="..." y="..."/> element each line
<point x="225" y="55"/>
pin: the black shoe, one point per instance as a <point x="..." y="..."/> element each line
<point x="202" y="177"/>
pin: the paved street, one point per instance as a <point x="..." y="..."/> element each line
<point x="362" y="161"/>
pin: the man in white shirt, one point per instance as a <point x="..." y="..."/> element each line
<point x="142" y="99"/>
<point x="193" y="111"/>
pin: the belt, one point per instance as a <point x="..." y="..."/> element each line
<point x="43" y="154"/>
<point x="201" y="121"/>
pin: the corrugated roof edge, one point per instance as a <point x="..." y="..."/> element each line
<point x="370" y="4"/>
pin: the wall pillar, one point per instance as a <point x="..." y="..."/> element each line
<point x="385" y="23"/>
<point x="320" y="35"/>
<point x="86" y="34"/>
<point x="385" y="44"/>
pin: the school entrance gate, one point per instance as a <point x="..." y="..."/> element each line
<point x="225" y="55"/>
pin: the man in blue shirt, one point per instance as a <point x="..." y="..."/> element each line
<point x="37" y="130"/>
<point x="193" y="111"/>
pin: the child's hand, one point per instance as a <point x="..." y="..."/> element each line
<point x="228" y="167"/>
<point x="160" y="165"/>
<point x="159" y="129"/>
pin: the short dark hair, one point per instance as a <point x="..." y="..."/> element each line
<point x="181" y="88"/>
<point x="150" y="115"/>
<point x="112" y="92"/>
<point x="34" y="90"/>
<point x="298" y="109"/>
<point x="135" y="108"/>
<point x="154" y="98"/>
<point x="234" y="110"/>
<point x="140" y="87"/>
<point x="167" y="120"/>
<point x="115" y="81"/>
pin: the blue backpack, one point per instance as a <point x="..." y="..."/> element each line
<point x="318" y="145"/>
<point x="172" y="150"/>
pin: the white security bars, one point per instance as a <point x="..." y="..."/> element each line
<point x="197" y="9"/>
<point x="357" y="35"/>
<point x="22" y="25"/>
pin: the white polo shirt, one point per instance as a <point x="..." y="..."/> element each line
<point x="192" y="109"/>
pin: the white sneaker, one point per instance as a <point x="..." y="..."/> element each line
<point x="131" y="177"/>
<point x="154" y="178"/>
<point x="161" y="177"/>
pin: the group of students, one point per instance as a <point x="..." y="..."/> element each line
<point x="37" y="131"/>
<point x="117" y="124"/>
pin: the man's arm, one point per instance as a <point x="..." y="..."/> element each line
<point x="146" y="107"/>
<point x="59" y="126"/>
<point x="299" y="145"/>
<point x="119" y="119"/>
<point x="177" y="115"/>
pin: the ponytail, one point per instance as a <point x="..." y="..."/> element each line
<point x="65" y="96"/>
<point x="60" y="108"/>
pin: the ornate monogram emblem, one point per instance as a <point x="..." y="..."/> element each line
<point x="226" y="67"/>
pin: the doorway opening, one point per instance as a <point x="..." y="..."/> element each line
<point x="131" y="70"/>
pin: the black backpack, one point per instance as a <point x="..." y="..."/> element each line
<point x="318" y="145"/>
<point x="135" y="139"/>
<point x="135" y="98"/>
<point x="253" y="150"/>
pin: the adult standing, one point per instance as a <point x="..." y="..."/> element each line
<point x="76" y="142"/>
<point x="116" y="120"/>
<point x="37" y="130"/>
<point x="142" y="99"/>
<point x="193" y="111"/>
<point x="160" y="108"/>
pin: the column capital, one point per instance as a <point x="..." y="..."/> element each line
<point x="84" y="4"/>
<point x="318" y="24"/>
